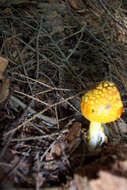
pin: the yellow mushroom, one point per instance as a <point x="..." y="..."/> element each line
<point x="101" y="104"/>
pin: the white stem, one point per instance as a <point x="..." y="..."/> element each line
<point x="96" y="136"/>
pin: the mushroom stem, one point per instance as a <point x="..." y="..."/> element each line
<point x="96" y="135"/>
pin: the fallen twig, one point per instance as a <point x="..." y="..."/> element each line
<point x="49" y="120"/>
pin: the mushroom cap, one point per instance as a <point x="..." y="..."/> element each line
<point x="102" y="104"/>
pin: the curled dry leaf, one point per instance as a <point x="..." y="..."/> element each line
<point x="4" y="85"/>
<point x="3" y="66"/>
<point x="4" y="89"/>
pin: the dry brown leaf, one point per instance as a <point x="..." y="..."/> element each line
<point x="73" y="134"/>
<point x="108" y="170"/>
<point x="76" y="4"/>
<point x="54" y="152"/>
<point x="107" y="180"/>
<point x="74" y="131"/>
<point x="3" y="66"/>
<point x="4" y="89"/>
<point x="81" y="182"/>
<point x="4" y="85"/>
<point x="120" y="167"/>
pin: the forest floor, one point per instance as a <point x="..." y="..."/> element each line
<point x="51" y="53"/>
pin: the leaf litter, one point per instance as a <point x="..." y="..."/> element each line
<point x="56" y="50"/>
